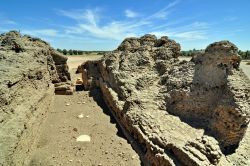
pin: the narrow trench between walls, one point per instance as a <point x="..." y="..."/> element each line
<point x="98" y="97"/>
<point x="71" y="116"/>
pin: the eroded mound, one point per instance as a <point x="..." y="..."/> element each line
<point x="28" y="67"/>
<point x="181" y="113"/>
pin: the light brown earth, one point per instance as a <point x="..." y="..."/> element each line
<point x="57" y="141"/>
<point x="76" y="60"/>
<point x="245" y="68"/>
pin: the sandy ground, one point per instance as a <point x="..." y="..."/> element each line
<point x="245" y="68"/>
<point x="57" y="143"/>
<point x="75" y="61"/>
<point x="243" y="65"/>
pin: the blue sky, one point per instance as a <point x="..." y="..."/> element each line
<point x="103" y="24"/>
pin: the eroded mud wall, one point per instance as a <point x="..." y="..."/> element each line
<point x="188" y="113"/>
<point x="27" y="70"/>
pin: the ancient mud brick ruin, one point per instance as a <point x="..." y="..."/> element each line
<point x="179" y="112"/>
<point x="28" y="67"/>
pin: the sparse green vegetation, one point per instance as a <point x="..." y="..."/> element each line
<point x="244" y="54"/>
<point x="79" y="52"/>
<point x="191" y="53"/>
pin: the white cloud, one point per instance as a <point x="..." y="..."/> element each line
<point x="88" y="15"/>
<point x="131" y="14"/>
<point x="231" y="18"/>
<point x="41" y="32"/>
<point x="172" y="4"/>
<point x="164" y="12"/>
<point x="74" y="14"/>
<point x="88" y="23"/>
<point x="2" y="30"/>
<point x="185" y="35"/>
<point x="114" y="30"/>
<point x="7" y="22"/>
<point x="190" y="35"/>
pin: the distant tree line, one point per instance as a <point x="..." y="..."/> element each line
<point x="78" y="52"/>
<point x="244" y="54"/>
<point x="191" y="53"/>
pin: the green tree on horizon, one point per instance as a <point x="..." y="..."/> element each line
<point x="64" y="51"/>
<point x="70" y="52"/>
<point x="75" y="52"/>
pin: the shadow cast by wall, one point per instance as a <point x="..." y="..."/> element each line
<point x="98" y="98"/>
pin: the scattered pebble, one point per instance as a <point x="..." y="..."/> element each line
<point x="87" y="116"/>
<point x="75" y="129"/>
<point x="80" y="116"/>
<point x="83" y="138"/>
<point x="67" y="104"/>
<point x="70" y="160"/>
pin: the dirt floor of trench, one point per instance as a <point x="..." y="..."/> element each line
<point x="57" y="143"/>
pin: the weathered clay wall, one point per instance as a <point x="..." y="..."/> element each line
<point x="61" y="65"/>
<point x="216" y="96"/>
<point x="181" y="113"/>
<point x="27" y="70"/>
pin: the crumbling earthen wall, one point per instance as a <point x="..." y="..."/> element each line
<point x="61" y="65"/>
<point x="27" y="70"/>
<point x="181" y="113"/>
<point x="216" y="97"/>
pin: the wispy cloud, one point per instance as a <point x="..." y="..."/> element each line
<point x="114" y="30"/>
<point x="4" y="20"/>
<point x="7" y="22"/>
<point x="88" y="22"/>
<point x="88" y="15"/>
<point x="184" y="35"/>
<point x="130" y="14"/>
<point x="231" y="18"/>
<point x="164" y="12"/>
<point x="192" y="31"/>
<point x="41" y="32"/>
<point x="190" y="35"/>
